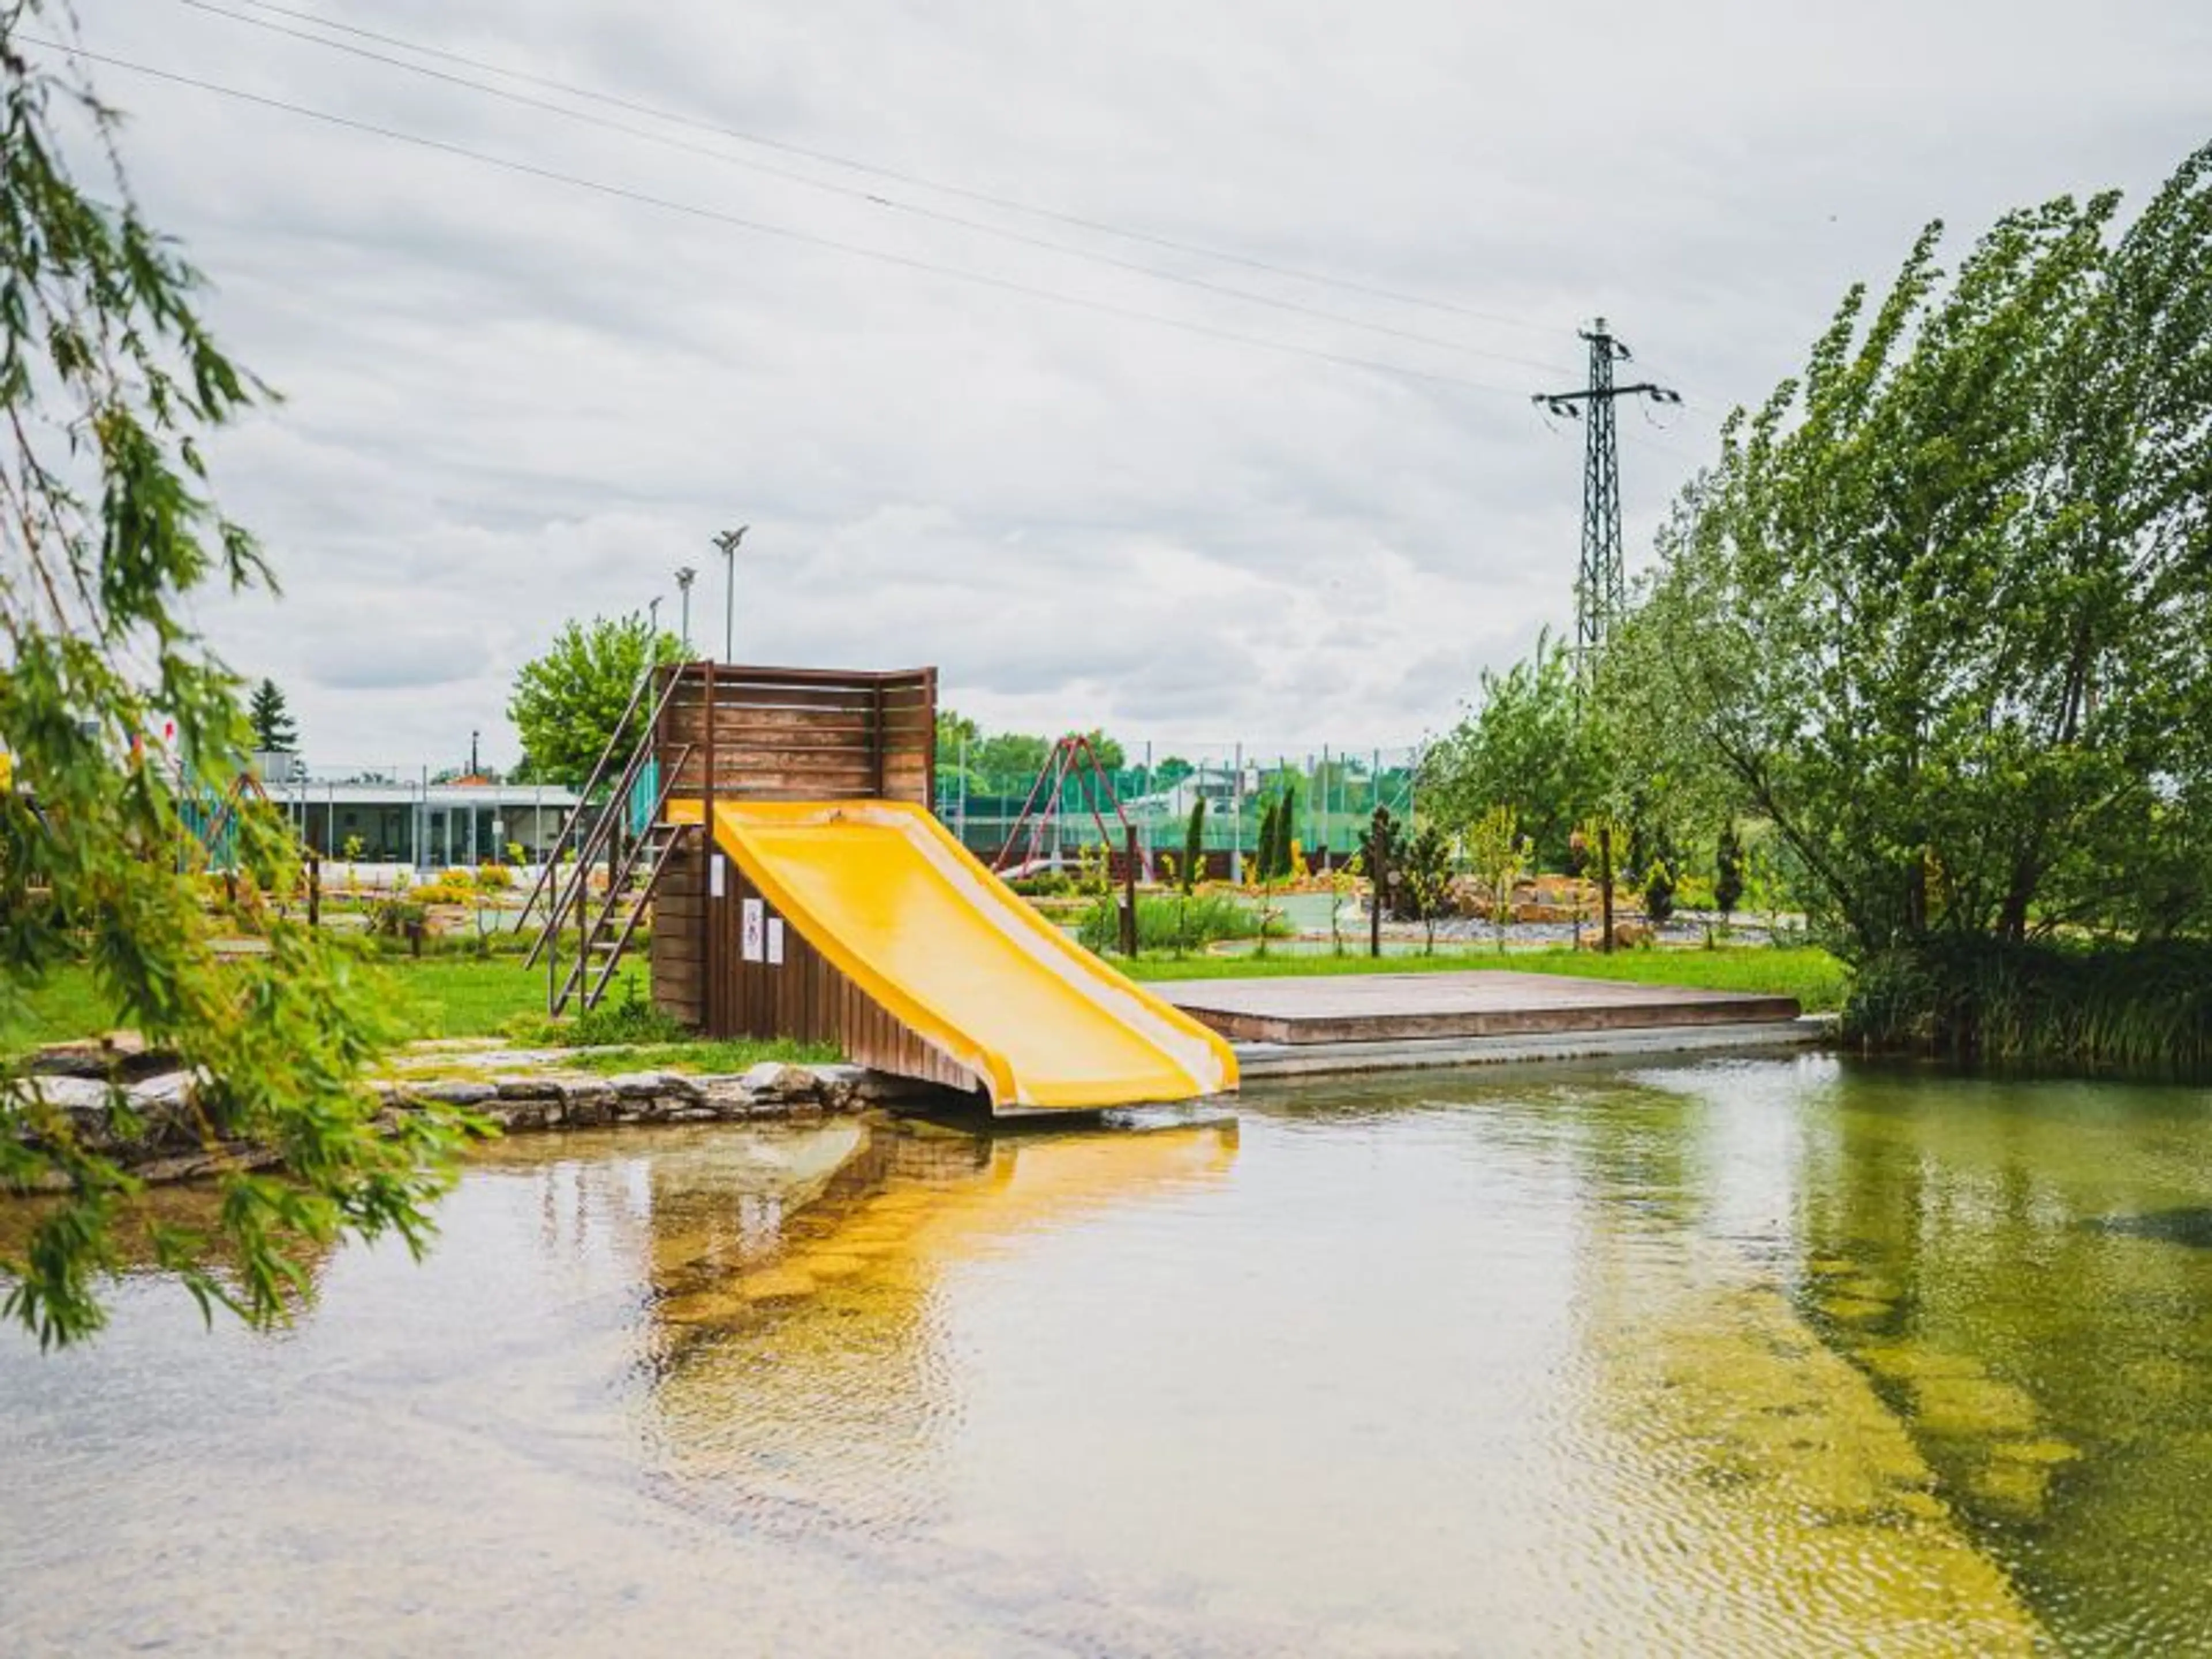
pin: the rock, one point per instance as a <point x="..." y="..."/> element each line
<point x="119" y="1054"/>
<point x="840" y="1086"/>
<point x="77" y="1095"/>
<point x="726" y="1095"/>
<point x="529" y="1088"/>
<point x="638" y="1086"/>
<point x="85" y="1102"/>
<point x="773" y="1081"/>
<point x="161" y="1093"/>
<point x="588" y="1106"/>
<point x="457" y="1091"/>
<point x="882" y="1088"/>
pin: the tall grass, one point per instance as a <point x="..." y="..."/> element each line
<point x="2143" y="1009"/>
<point x="1172" y="922"/>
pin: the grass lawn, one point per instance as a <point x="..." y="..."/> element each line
<point x="1817" y="980"/>
<point x="465" y="997"/>
<point x="733" y="1055"/>
<point x="435" y="997"/>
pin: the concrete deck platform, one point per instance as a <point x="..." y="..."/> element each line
<point x="1396" y="1008"/>
<point x="1257" y="1061"/>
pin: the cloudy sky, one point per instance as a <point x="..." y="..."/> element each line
<point x="513" y="398"/>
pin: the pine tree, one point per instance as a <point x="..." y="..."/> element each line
<point x="1194" y="845"/>
<point x="274" y="730"/>
<point x="1727" y="871"/>
<point x="1657" y="870"/>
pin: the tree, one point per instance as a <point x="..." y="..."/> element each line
<point x="1109" y="751"/>
<point x="1498" y="855"/>
<point x="1171" y="772"/>
<point x="566" y="703"/>
<point x="1528" y="743"/>
<point x="1938" y="614"/>
<point x="1727" y="871"/>
<point x="1425" y="867"/>
<point x="111" y="384"/>
<point x="1009" y="763"/>
<point x="1286" y="834"/>
<point x="274" y="732"/>
<point x="954" y="733"/>
<point x="1655" y="868"/>
<point x="1382" y="860"/>
<point x="1194" y="845"/>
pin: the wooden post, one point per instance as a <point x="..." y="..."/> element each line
<point x="1379" y="874"/>
<point x="1605" y="886"/>
<point x="709" y="956"/>
<point x="929" y="744"/>
<point x="1129" y="896"/>
<point x="883" y="740"/>
<point x="314" y="888"/>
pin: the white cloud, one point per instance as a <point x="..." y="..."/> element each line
<point x="511" y="402"/>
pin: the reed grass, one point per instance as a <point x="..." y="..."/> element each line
<point x="2143" y="1009"/>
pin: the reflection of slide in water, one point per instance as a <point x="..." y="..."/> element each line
<point x="899" y="909"/>
<point x="819" y="1377"/>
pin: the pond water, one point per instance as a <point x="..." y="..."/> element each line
<point x="1756" y="1356"/>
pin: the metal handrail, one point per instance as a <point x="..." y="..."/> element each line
<point x="589" y="932"/>
<point x="560" y="902"/>
<point x="584" y="795"/>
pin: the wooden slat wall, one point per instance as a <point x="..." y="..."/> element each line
<point x="785" y="734"/>
<point x="679" y="918"/>
<point x="803" y="734"/>
<point x="805" y="997"/>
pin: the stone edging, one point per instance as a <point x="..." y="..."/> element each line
<point x="170" y="1147"/>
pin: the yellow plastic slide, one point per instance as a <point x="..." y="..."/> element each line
<point x="901" y="908"/>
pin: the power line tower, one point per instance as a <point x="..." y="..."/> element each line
<point x="1598" y="587"/>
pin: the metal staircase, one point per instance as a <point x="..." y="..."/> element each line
<point x="628" y="835"/>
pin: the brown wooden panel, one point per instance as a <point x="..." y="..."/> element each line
<point x="804" y="997"/>
<point x="797" y="734"/>
<point x="738" y="733"/>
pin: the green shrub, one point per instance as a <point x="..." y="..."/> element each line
<point x="444" y="891"/>
<point x="1694" y="892"/>
<point x="494" y="878"/>
<point x="395" y="915"/>
<point x="1050" y="884"/>
<point x="628" y="1017"/>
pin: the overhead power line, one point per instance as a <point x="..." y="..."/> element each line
<point x="871" y="197"/>
<point x="1011" y="205"/>
<point x="764" y="228"/>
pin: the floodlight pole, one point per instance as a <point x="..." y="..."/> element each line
<point x="684" y="577"/>
<point x="728" y="541"/>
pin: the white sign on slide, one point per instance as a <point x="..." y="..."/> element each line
<point x="776" y="941"/>
<point x="755" y="914"/>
